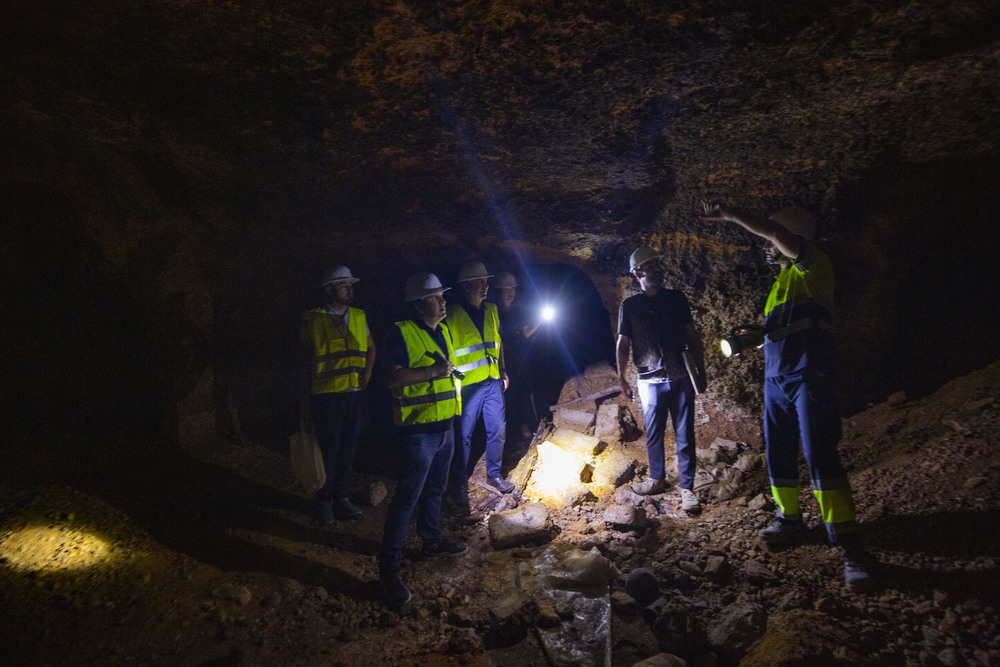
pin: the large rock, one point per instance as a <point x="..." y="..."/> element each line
<point x="584" y="446"/>
<point x="737" y="628"/>
<point x="557" y="478"/>
<point x="608" y="426"/>
<point x="523" y="525"/>
<point x="613" y="468"/>
<point x="799" y="637"/>
<point x="577" y="420"/>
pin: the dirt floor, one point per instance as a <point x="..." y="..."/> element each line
<point x="208" y="557"/>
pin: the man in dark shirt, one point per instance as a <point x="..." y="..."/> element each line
<point x="656" y="325"/>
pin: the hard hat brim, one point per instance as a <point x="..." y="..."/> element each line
<point x="337" y="281"/>
<point x="426" y="292"/>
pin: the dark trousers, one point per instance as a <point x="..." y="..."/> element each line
<point x="804" y="405"/>
<point x="337" y="420"/>
<point x="481" y="399"/>
<point x="676" y="399"/>
<point x="423" y="476"/>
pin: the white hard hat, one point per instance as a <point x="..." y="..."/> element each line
<point x="798" y="221"/>
<point x="505" y="279"/>
<point x="423" y="284"/>
<point x="642" y="255"/>
<point x="340" y="274"/>
<point x="472" y="271"/>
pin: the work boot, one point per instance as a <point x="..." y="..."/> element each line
<point x="500" y="484"/>
<point x="858" y="564"/>
<point x="650" y="487"/>
<point x="690" y="502"/>
<point x="345" y="510"/>
<point x="323" y="513"/>
<point x="394" y="589"/>
<point x="443" y="548"/>
<point x="781" y="530"/>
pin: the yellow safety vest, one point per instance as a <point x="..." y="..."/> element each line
<point x="477" y="356"/>
<point x="425" y="402"/>
<point x="337" y="361"/>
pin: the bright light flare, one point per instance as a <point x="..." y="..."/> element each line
<point x="51" y="549"/>
<point x="548" y="313"/>
<point x="556" y="472"/>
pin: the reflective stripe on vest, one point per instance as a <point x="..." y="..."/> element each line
<point x="476" y="357"/>
<point x="425" y="402"/>
<point x="337" y="361"/>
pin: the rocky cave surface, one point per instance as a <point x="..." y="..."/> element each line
<point x="178" y="174"/>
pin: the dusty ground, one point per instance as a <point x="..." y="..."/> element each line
<point x="208" y="558"/>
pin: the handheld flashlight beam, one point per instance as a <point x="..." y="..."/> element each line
<point x="548" y="313"/>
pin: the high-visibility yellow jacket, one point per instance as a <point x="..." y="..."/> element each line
<point x="338" y="361"/>
<point x="425" y="402"/>
<point x="799" y="315"/>
<point x="477" y="355"/>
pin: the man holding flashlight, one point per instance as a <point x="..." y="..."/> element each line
<point x="475" y="324"/>
<point x="656" y="325"/>
<point x="800" y="399"/>
<point x="420" y="366"/>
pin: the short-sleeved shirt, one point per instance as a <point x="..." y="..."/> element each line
<point x="396" y="354"/>
<point x="799" y="316"/>
<point x="656" y="327"/>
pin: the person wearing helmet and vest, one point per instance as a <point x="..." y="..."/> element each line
<point x="338" y="357"/>
<point x="475" y="324"/>
<point x="800" y="399"/>
<point x="656" y="325"/>
<point x="515" y="330"/>
<point x="420" y="364"/>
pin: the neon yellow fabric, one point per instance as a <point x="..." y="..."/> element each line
<point x="476" y="356"/>
<point x="836" y="505"/>
<point x="425" y="402"/>
<point x="787" y="499"/>
<point x="337" y="361"/>
<point x="796" y="284"/>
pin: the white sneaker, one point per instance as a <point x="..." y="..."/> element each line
<point x="650" y="487"/>
<point x="689" y="501"/>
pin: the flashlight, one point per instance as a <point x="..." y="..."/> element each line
<point x="548" y="313"/>
<point x="740" y="339"/>
<point x="437" y="356"/>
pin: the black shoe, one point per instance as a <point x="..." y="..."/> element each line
<point x="323" y="514"/>
<point x="858" y="565"/>
<point x="782" y="530"/>
<point x="394" y="589"/>
<point x="443" y="548"/>
<point x="501" y="485"/>
<point x="345" y="510"/>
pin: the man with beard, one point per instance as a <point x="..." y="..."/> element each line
<point x="338" y="355"/>
<point x="656" y="325"/>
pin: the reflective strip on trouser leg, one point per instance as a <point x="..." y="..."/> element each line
<point x="837" y="508"/>
<point x="787" y="498"/>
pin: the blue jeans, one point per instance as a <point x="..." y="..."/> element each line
<point x="337" y="420"/>
<point x="483" y="398"/>
<point x="423" y="477"/>
<point x="675" y="398"/>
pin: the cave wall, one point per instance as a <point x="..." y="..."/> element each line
<point x="177" y="175"/>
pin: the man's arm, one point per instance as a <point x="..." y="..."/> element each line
<point x="696" y="347"/>
<point x="787" y="243"/>
<point x="398" y="376"/>
<point x="366" y="375"/>
<point x="305" y="377"/>
<point x="622" y="349"/>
